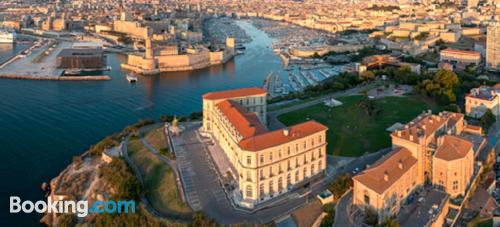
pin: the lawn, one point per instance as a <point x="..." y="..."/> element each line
<point x="352" y="132"/>
<point x="159" y="180"/>
<point x="156" y="138"/>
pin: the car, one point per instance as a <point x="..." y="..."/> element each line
<point x="355" y="171"/>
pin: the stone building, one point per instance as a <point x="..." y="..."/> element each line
<point x="431" y="149"/>
<point x="481" y="99"/>
<point x="268" y="163"/>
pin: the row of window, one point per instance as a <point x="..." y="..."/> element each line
<point x="288" y="151"/>
<point x="281" y="186"/>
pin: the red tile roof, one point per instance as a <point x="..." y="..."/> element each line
<point x="453" y="148"/>
<point x="234" y="93"/>
<point x="246" y="123"/>
<point x="374" y="177"/>
<point x="278" y="137"/>
<point x="461" y="52"/>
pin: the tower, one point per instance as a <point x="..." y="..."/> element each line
<point x="493" y="47"/>
<point x="230" y="47"/>
<point x="149" y="49"/>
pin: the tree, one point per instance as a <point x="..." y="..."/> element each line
<point x="328" y="220"/>
<point x="199" y="219"/>
<point x="340" y="185"/>
<point x="367" y="75"/>
<point x="371" y="216"/>
<point x="389" y="222"/>
<point x="487" y="120"/>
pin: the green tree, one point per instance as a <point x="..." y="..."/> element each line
<point x="199" y="219"/>
<point x="389" y="222"/>
<point x="487" y="120"/>
<point x="340" y="185"/>
<point x="371" y="216"/>
<point x="328" y="220"/>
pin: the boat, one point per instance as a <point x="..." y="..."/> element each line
<point x="132" y="78"/>
<point x="7" y="37"/>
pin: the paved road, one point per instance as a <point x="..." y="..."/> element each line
<point x="341" y="214"/>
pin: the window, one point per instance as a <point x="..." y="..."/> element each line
<point x="305" y="172"/>
<point x="312" y="142"/>
<point x="270" y="171"/>
<point x="312" y="169"/>
<point x="367" y="199"/>
<point x="261" y="158"/>
<point x="271" y="156"/>
<point x="320" y="139"/>
<point x="288" y="180"/>
<point x="249" y="176"/>
<point x="455" y="185"/>
<point x="279" y="153"/>
<point x="296" y="148"/>
<point x="248" y="191"/>
<point x="271" y="187"/>
<point x="305" y="145"/>
<point x="280" y="184"/>
<point x="319" y="165"/>
<point x="288" y="151"/>
<point x="296" y="176"/>
<point x="288" y="164"/>
<point x="249" y="160"/>
<point x="262" y="174"/>
<point x="261" y="190"/>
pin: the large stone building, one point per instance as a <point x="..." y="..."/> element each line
<point x="460" y="57"/>
<point x="481" y="99"/>
<point x="268" y="163"/>
<point x="493" y="47"/>
<point x="429" y="149"/>
<point x="166" y="59"/>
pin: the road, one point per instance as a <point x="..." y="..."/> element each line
<point x="341" y="214"/>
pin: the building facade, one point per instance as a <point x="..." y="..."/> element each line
<point x="460" y="58"/>
<point x="429" y="149"/>
<point x="481" y="99"/>
<point x="493" y="47"/>
<point x="268" y="163"/>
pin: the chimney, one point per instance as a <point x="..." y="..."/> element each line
<point x="386" y="176"/>
<point x="400" y="164"/>
<point x="286" y="132"/>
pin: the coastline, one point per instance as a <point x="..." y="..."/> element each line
<point x="59" y="78"/>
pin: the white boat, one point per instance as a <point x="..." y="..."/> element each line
<point x="131" y="78"/>
<point x="7" y="37"/>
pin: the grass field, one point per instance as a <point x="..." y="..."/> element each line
<point x="156" y="138"/>
<point x="352" y="132"/>
<point x="159" y="180"/>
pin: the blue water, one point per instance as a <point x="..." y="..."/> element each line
<point x="43" y="124"/>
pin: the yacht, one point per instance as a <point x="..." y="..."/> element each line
<point x="7" y="37"/>
<point x="131" y="78"/>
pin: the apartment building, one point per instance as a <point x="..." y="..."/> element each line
<point x="493" y="47"/>
<point x="268" y="163"/>
<point x="481" y="99"/>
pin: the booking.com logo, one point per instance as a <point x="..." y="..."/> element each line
<point x="80" y="208"/>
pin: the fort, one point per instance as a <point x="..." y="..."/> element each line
<point x="167" y="58"/>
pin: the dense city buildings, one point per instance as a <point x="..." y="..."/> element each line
<point x="493" y="47"/>
<point x="268" y="163"/>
